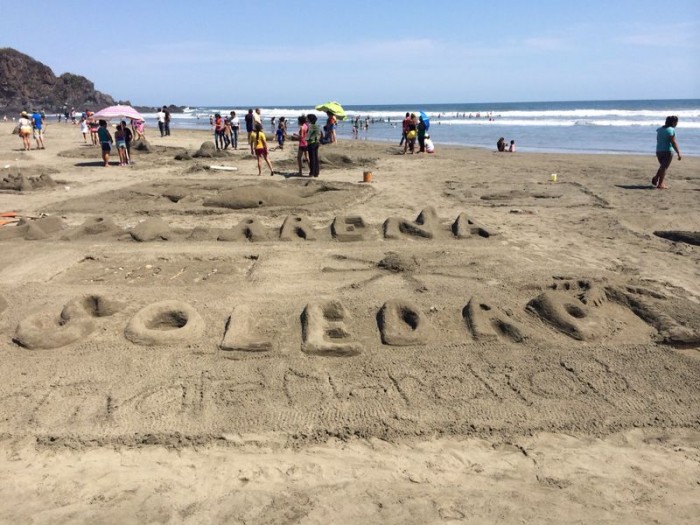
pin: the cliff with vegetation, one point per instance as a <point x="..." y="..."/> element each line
<point x="26" y="83"/>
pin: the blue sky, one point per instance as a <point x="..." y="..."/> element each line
<point x="276" y="53"/>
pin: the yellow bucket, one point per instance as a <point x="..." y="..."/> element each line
<point x="553" y="177"/>
<point x="367" y="176"/>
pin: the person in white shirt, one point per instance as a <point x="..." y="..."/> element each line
<point x="257" y="117"/>
<point x="161" y="121"/>
<point x="235" y="126"/>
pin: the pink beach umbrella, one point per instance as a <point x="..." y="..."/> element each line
<point x="118" y="112"/>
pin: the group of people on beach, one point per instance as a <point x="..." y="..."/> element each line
<point x="123" y="137"/>
<point x="413" y="128"/>
<point x="29" y="125"/>
<point x="502" y="146"/>
<point x="309" y="136"/>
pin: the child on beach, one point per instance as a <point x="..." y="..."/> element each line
<point x="261" y="148"/>
<point x="429" y="146"/>
<point x="665" y="145"/>
<point x="84" y="129"/>
<point x="120" y="138"/>
<point x="281" y="132"/>
<point x="138" y="126"/>
<point x="511" y="148"/>
<point x="105" y="138"/>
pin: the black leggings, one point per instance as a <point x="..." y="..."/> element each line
<point x="314" y="166"/>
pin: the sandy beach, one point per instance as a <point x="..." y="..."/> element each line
<point x="460" y="340"/>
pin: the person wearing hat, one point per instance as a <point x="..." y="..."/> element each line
<point x="25" y="130"/>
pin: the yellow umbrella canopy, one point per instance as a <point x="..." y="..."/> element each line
<point x="333" y="107"/>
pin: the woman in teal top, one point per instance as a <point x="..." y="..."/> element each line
<point x="665" y="145"/>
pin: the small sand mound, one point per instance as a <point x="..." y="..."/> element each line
<point x="208" y="151"/>
<point x="398" y="263"/>
<point x="142" y="146"/>
<point x="27" y="179"/>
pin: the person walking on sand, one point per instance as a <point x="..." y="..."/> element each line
<point x="84" y="129"/>
<point x="105" y="138"/>
<point x="314" y="141"/>
<point x="665" y="145"/>
<point x="25" y="130"/>
<point x="38" y="129"/>
<point x="261" y="148"/>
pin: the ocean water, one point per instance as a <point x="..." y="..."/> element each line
<point x="608" y="126"/>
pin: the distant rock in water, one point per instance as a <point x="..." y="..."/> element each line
<point x="27" y="84"/>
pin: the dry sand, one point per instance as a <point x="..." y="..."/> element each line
<point x="462" y="340"/>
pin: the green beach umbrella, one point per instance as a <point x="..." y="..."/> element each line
<point x="333" y="107"/>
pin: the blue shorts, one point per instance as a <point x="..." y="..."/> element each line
<point x="106" y="146"/>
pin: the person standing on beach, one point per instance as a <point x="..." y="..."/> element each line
<point x="261" y="148"/>
<point x="219" y="131"/>
<point x="404" y="128"/>
<point x="128" y="139"/>
<point x="331" y="125"/>
<point x="166" y="121"/>
<point x="314" y="141"/>
<point x="235" y="126"/>
<point x="281" y="133"/>
<point x="257" y="116"/>
<point x="411" y="134"/>
<point x="84" y="129"/>
<point x="665" y="145"/>
<point x="421" y="135"/>
<point x="303" y="144"/>
<point x="105" y="138"/>
<point x="227" y="132"/>
<point x="249" y="126"/>
<point x="161" y="121"/>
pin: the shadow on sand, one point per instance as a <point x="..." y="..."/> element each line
<point x="635" y="186"/>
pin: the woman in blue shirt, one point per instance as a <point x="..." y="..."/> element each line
<point x="665" y="145"/>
